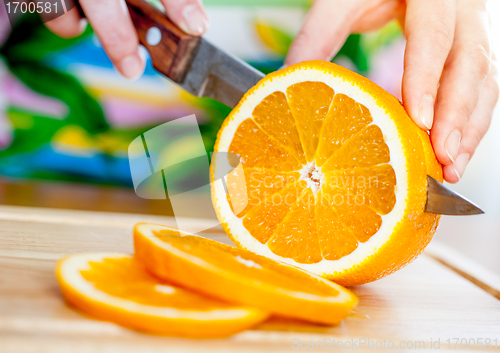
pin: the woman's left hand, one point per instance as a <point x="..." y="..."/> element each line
<point x="450" y="78"/>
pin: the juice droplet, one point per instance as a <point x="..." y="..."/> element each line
<point x="358" y="314"/>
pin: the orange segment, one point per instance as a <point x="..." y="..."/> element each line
<point x="259" y="183"/>
<point x="365" y="149"/>
<point x="274" y="117"/>
<point x="335" y="239"/>
<point x="257" y="150"/>
<point x="356" y="215"/>
<point x="309" y="103"/>
<point x="117" y="287"/>
<point x="345" y="118"/>
<point x="374" y="186"/>
<point x="240" y="276"/>
<point x="265" y="218"/>
<point x="296" y="237"/>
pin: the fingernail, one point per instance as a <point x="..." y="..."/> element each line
<point x="83" y="25"/>
<point x="460" y="164"/>
<point x="452" y="144"/>
<point x="426" y="111"/>
<point x="143" y="53"/>
<point x="132" y="66"/>
<point x="194" y="21"/>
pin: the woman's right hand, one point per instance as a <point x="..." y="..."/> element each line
<point x="112" y="24"/>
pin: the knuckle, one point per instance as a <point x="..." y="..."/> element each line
<point x="119" y="43"/>
<point x="458" y="114"/>
<point x="478" y="134"/>
<point x="440" y="34"/>
<point x="429" y="41"/>
<point x="118" y="36"/>
<point x="175" y="8"/>
<point x="473" y="138"/>
<point x="479" y="56"/>
<point x="464" y="111"/>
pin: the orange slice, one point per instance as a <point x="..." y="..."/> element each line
<point x="335" y="174"/>
<point x="117" y="287"/>
<point x="240" y="276"/>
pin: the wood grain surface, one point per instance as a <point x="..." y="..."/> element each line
<point x="425" y="302"/>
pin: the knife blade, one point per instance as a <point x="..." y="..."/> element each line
<point x="219" y="75"/>
<point x="206" y="71"/>
<point x="444" y="201"/>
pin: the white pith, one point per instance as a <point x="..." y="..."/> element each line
<point x="392" y="139"/>
<point x="248" y="263"/>
<point x="312" y="175"/>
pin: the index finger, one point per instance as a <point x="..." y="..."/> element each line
<point x="112" y="24"/>
<point x="429" y="29"/>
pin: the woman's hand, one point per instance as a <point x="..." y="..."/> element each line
<point x="112" y="24"/>
<point x="450" y="78"/>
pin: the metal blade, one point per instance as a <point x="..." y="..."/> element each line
<point x="442" y="200"/>
<point x="219" y="75"/>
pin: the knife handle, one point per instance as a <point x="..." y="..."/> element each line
<point x="169" y="47"/>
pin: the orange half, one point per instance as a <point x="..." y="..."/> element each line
<point x="333" y="175"/>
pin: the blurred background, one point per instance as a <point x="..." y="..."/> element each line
<point x="67" y="118"/>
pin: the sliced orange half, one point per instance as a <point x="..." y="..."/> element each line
<point x="117" y="287"/>
<point x="333" y="175"/>
<point x="240" y="276"/>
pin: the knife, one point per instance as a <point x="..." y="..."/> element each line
<point x="206" y="71"/>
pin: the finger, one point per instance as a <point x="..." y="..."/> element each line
<point x="429" y="29"/>
<point x="463" y="77"/>
<point x="325" y="29"/>
<point x="112" y="24"/>
<point x="189" y="15"/>
<point x="477" y="126"/>
<point x="377" y="15"/>
<point x="68" y="25"/>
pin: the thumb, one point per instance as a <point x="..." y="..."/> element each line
<point x="324" y="31"/>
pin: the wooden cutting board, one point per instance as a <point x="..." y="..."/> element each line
<point x="441" y="299"/>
